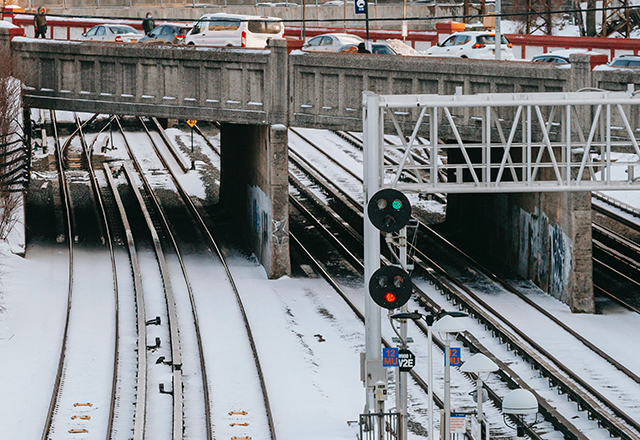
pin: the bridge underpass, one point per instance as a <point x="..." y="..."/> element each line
<point x="254" y="94"/>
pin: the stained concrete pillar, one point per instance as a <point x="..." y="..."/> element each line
<point x="254" y="190"/>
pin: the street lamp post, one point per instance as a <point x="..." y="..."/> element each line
<point x="479" y="364"/>
<point x="447" y="326"/>
<point x="454" y="327"/>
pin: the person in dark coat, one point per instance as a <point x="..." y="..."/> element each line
<point x="148" y="25"/>
<point x="362" y="49"/>
<point x="40" y="23"/>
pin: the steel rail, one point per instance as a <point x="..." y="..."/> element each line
<point x="174" y="244"/>
<point x="494" y="277"/>
<point x="176" y="355"/>
<point x="506" y="374"/>
<point x="218" y="251"/>
<point x="96" y="190"/>
<point x="612" y="424"/>
<point x="65" y="198"/>
<point x="141" y="384"/>
<point x="615" y="298"/>
<point x="334" y="284"/>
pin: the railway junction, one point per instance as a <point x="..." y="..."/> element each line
<point x="525" y="163"/>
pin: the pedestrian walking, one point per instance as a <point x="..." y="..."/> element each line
<point x="148" y="25"/>
<point x="40" y="23"/>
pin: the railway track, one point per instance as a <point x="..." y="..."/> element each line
<point x="213" y="339"/>
<point x="592" y="398"/>
<point x="83" y="397"/>
<point x="616" y="251"/>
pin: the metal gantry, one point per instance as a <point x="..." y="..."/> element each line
<point x="520" y="142"/>
<point x="490" y="143"/>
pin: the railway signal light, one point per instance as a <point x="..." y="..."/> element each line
<point x="390" y="287"/>
<point x="389" y="210"/>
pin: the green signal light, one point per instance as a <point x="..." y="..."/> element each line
<point x="397" y="204"/>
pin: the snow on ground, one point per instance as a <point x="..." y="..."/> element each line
<point x="308" y="340"/>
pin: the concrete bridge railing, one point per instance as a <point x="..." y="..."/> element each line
<point x="244" y="86"/>
<point x="268" y="86"/>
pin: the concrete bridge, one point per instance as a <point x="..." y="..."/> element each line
<point x="256" y="94"/>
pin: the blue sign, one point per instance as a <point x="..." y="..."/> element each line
<point x="390" y="357"/>
<point x="361" y="6"/>
<point x="454" y="357"/>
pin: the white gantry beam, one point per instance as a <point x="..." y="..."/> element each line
<point x="507" y="142"/>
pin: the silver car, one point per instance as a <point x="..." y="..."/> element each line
<point x="119" y="33"/>
<point x="330" y="42"/>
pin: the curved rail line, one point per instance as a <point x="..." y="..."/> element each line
<point x="611" y="423"/>
<point x="141" y="381"/>
<point x="506" y="373"/>
<point x="494" y="277"/>
<point x="66" y="198"/>
<point x="174" y="246"/>
<point x="198" y="218"/>
<point x="103" y="212"/>
<point x="218" y="251"/>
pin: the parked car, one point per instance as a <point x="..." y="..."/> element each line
<point x="621" y="62"/>
<point x="376" y="48"/>
<point x="166" y="34"/>
<point x="560" y="57"/>
<point x="473" y="44"/>
<point x="119" y="33"/>
<point x="234" y="30"/>
<point x="330" y="42"/>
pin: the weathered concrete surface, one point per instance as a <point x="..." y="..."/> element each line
<point x="254" y="190"/>
<point x="543" y="236"/>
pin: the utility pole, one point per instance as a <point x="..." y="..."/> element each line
<point x="591" y="18"/>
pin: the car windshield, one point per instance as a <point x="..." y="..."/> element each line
<point x="265" y="27"/>
<point x="119" y="30"/>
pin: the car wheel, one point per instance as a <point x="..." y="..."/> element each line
<point x="190" y="43"/>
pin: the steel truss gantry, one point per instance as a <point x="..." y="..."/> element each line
<point x="495" y="143"/>
<point x="520" y="142"/>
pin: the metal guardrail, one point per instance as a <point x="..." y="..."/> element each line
<point x="380" y="426"/>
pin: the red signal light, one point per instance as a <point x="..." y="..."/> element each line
<point x="118" y="39"/>
<point x="389" y="297"/>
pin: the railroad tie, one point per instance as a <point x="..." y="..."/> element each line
<point x="81" y="417"/>
<point x="240" y="438"/>
<point x="238" y="424"/>
<point x="78" y="431"/>
<point x="238" y="413"/>
<point x="83" y="404"/>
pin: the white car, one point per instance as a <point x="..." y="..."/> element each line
<point x="119" y="33"/>
<point x="330" y="42"/>
<point x="232" y="30"/>
<point x="473" y="44"/>
<point x="622" y="62"/>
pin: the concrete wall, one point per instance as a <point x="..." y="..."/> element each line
<point x="254" y="191"/>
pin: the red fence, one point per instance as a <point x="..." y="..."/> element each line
<point x="525" y="46"/>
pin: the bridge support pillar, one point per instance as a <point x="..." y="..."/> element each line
<point x="254" y="190"/>
<point x="545" y="237"/>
